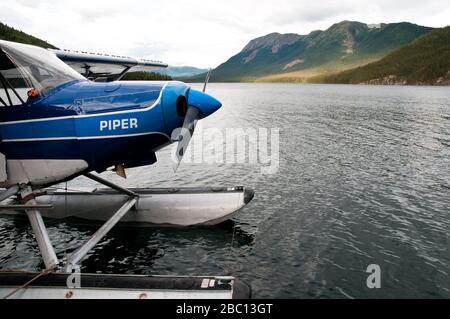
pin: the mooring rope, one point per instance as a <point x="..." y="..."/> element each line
<point x="44" y="273"/>
<point x="228" y="268"/>
<point x="65" y="202"/>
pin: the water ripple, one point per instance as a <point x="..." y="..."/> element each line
<point x="363" y="179"/>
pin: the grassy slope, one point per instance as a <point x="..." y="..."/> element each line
<point x="422" y="61"/>
<point x="303" y="76"/>
<point x="11" y="34"/>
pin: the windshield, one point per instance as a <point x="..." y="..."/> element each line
<point x="39" y="66"/>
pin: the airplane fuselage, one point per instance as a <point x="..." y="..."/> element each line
<point x="86" y="126"/>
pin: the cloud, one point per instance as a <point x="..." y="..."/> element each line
<point x="92" y="15"/>
<point x="197" y="32"/>
<point x="312" y="13"/>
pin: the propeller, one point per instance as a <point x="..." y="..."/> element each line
<point x="208" y="75"/>
<point x="198" y="103"/>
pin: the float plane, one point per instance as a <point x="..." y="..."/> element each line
<point x="65" y="114"/>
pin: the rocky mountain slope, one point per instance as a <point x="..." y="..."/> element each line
<point x="343" y="45"/>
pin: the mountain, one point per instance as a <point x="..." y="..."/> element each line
<point x="343" y="45"/>
<point x="181" y="71"/>
<point x="11" y="34"/>
<point x="424" y="61"/>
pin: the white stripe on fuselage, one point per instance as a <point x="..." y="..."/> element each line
<point x="82" y="138"/>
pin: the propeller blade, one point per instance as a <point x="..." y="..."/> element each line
<point x="208" y="75"/>
<point x="200" y="106"/>
<point x="190" y="120"/>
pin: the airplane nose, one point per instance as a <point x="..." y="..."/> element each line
<point x="205" y="103"/>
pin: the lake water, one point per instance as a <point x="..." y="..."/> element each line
<point x="364" y="178"/>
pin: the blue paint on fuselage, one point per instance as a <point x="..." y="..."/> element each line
<point x="101" y="123"/>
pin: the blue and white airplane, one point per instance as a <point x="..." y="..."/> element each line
<point x="55" y="124"/>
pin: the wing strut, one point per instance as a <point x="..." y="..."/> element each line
<point x="3" y="102"/>
<point x="121" y="75"/>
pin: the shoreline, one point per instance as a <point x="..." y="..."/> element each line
<point x="316" y="83"/>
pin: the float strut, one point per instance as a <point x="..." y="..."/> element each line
<point x="40" y="232"/>
<point x="13" y="190"/>
<point x="79" y="254"/>
<point x="112" y="185"/>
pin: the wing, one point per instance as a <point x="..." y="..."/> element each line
<point x="104" y="65"/>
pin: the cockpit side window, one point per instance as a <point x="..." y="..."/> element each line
<point x="13" y="84"/>
<point x="42" y="67"/>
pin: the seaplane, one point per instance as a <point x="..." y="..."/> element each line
<point x="66" y="114"/>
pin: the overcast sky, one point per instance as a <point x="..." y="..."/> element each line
<point x="198" y="32"/>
